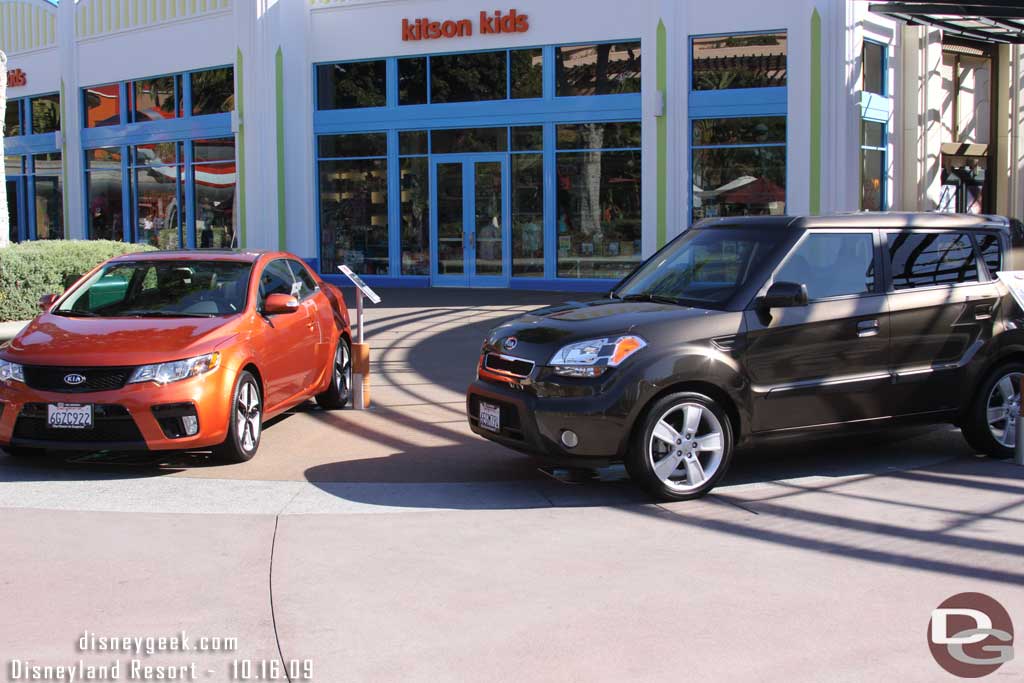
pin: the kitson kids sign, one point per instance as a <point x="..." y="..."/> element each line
<point x="494" y="22"/>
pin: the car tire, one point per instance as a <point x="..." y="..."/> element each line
<point x="688" y="430"/>
<point x="989" y="436"/>
<point x="339" y="393"/>
<point x="24" y="452"/>
<point x="245" y="421"/>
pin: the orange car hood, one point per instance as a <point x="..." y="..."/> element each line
<point x="59" y="340"/>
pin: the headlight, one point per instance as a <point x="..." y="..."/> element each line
<point x="592" y="357"/>
<point x="165" y="373"/>
<point x="11" y="372"/>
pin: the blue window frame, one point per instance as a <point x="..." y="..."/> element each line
<point x="876" y="110"/>
<point x="141" y="140"/>
<point x="38" y="184"/>
<point x="408" y="129"/>
<point x="737" y="124"/>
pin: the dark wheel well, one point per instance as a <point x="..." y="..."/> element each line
<point x="252" y="369"/>
<point x="710" y="390"/>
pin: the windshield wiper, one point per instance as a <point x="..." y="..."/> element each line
<point x="166" y="314"/>
<point x="78" y="314"/>
<point x="656" y="298"/>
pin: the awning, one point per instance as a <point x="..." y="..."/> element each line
<point x="990" y="21"/>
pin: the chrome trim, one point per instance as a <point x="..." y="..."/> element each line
<point x="824" y="382"/>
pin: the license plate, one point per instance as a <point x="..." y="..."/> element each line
<point x="69" y="416"/>
<point x="490" y="417"/>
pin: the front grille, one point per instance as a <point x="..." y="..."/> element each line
<point x="52" y="378"/>
<point x="111" y="423"/>
<point x="511" y="426"/>
<point x="508" y="365"/>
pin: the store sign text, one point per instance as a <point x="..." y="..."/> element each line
<point x="16" y="78"/>
<point x="495" y="22"/>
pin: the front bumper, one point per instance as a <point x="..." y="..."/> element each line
<point x="534" y="425"/>
<point x="124" y="418"/>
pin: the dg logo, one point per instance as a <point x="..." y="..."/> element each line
<point x="970" y="635"/>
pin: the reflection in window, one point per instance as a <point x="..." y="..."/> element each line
<point x="49" y="197"/>
<point x="527" y="138"/>
<point x="873" y="67"/>
<point x="213" y="91"/>
<point x="103" y="105"/>
<point x="12" y="118"/>
<point x="739" y="61"/>
<point x="412" y="80"/>
<point x="45" y="113"/>
<point x="351" y="85"/>
<point x="605" y="69"/>
<point x="213" y="165"/>
<point x="462" y="140"/>
<point x="468" y="77"/>
<point x="103" y="181"/>
<point x="353" y="145"/>
<point x="414" y="210"/>
<point x="156" y="99"/>
<point x="158" y="174"/>
<point x="14" y="164"/>
<point x="734" y="180"/>
<point x="597" y="135"/>
<point x="598" y="210"/>
<point x="527" y="215"/>
<point x="526" y="68"/>
<point x="412" y="142"/>
<point x="832" y="265"/>
<point x="925" y="260"/>
<point x="991" y="252"/>
<point x="354" y="211"/>
<point x="873" y="171"/>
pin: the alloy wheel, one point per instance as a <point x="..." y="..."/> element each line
<point x="686" y="447"/>
<point x="343" y="371"/>
<point x="1002" y="409"/>
<point x="248" y="416"/>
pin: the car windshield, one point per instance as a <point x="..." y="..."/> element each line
<point x="703" y="267"/>
<point x="158" y="288"/>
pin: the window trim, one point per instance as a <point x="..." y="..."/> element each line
<point x="876" y="253"/>
<point x="887" y="259"/>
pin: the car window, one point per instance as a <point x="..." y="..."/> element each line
<point x="929" y="259"/>
<point x="306" y="283"/>
<point x="277" y="279"/>
<point x="991" y="252"/>
<point x="832" y="264"/>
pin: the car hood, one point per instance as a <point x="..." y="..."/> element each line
<point x="541" y="333"/>
<point x="60" y="340"/>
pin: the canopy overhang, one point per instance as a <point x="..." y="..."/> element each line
<point x="989" y="21"/>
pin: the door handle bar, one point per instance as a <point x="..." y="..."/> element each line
<point x="867" y="328"/>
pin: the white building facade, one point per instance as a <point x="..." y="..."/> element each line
<point x="542" y="145"/>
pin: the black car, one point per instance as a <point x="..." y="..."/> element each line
<point x="743" y="329"/>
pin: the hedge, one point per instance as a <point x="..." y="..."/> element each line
<point x="31" y="269"/>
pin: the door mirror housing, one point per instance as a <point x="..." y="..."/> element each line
<point x="277" y="304"/>
<point x="47" y="301"/>
<point x="785" y="295"/>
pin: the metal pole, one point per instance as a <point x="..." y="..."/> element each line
<point x="358" y="397"/>
<point x="359" y="316"/>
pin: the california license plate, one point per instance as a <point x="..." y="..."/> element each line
<point x="69" y="416"/>
<point x="490" y="417"/>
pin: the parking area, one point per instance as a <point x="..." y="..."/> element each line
<point x="393" y="544"/>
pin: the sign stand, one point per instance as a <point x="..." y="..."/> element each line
<point x="360" y="350"/>
<point x="1014" y="281"/>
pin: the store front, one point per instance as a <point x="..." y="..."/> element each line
<point x="34" y="169"/>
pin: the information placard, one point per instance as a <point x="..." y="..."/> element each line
<point x="1014" y="281"/>
<point x="358" y="282"/>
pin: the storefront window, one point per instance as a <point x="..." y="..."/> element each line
<point x="159" y="194"/>
<point x="352" y="85"/>
<point x="873" y="65"/>
<point x="412" y="80"/>
<point x="156" y="99"/>
<point x="415" y="214"/>
<point x="734" y="180"/>
<point x="214" y="196"/>
<point x="605" y="69"/>
<point x="45" y="113"/>
<point x="465" y="140"/>
<point x="754" y="60"/>
<point x="353" y="207"/>
<point x="469" y="77"/>
<point x="49" y="197"/>
<point x="873" y="171"/>
<point x="103" y="105"/>
<point x="12" y="118"/>
<point x="526" y="68"/>
<point x="15" y="169"/>
<point x="598" y="219"/>
<point x="527" y="215"/>
<point x="213" y="91"/>
<point x="527" y="138"/>
<point x="103" y="180"/>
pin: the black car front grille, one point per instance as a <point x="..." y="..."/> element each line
<point x="111" y="424"/>
<point x="507" y="365"/>
<point x="53" y="378"/>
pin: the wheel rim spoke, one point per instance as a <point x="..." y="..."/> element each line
<point x="1001" y="411"/>
<point x="709" y="442"/>
<point x="997" y="414"/>
<point x="1006" y="388"/>
<point x="695" y="475"/>
<point x="692" y="420"/>
<point x="665" y="467"/>
<point x="665" y="432"/>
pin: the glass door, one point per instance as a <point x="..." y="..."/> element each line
<point x="14" y="209"/>
<point x="468" y="221"/>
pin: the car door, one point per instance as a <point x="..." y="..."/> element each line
<point x="284" y="339"/>
<point x="320" y="318"/>
<point x="825" y="362"/>
<point x="942" y="302"/>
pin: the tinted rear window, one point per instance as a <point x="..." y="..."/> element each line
<point x="929" y="259"/>
<point x="991" y="252"/>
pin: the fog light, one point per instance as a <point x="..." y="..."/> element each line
<point x="191" y="424"/>
<point x="569" y="439"/>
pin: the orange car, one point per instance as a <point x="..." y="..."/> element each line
<point x="175" y="350"/>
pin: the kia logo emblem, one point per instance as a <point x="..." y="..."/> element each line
<point x="510" y="343"/>
<point x="73" y="379"/>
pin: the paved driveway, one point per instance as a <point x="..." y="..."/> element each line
<point x="395" y="545"/>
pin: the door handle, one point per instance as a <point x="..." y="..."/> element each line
<point x="983" y="312"/>
<point x="867" y="328"/>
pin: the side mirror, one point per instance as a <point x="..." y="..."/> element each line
<point x="47" y="301"/>
<point x="280" y="303"/>
<point x="785" y="295"/>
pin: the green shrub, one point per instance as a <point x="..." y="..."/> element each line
<point x="31" y="269"/>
